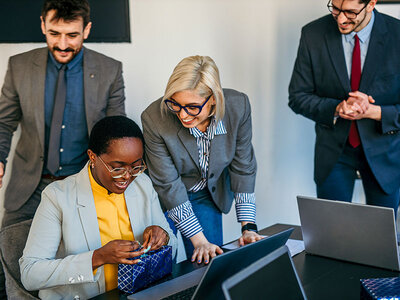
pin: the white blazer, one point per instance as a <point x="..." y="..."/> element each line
<point x="57" y="259"/>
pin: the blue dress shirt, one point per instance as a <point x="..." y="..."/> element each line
<point x="74" y="135"/>
<point x="348" y="44"/>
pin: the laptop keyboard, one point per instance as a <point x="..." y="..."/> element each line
<point x="182" y="295"/>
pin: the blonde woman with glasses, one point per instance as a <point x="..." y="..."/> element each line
<point x="200" y="156"/>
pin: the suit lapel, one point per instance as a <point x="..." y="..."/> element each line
<point x="38" y="82"/>
<point x="91" y="78"/>
<point x="217" y="147"/>
<point x="134" y="208"/>
<point x="87" y="209"/>
<point x="333" y="39"/>
<point x="376" y="52"/>
<point x="190" y="144"/>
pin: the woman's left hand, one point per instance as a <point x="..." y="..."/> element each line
<point x="155" y="237"/>
<point x="249" y="237"/>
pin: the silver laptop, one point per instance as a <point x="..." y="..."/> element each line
<point x="271" y="277"/>
<point x="206" y="282"/>
<point x="353" y="232"/>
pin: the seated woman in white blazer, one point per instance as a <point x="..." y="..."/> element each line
<point x="90" y="222"/>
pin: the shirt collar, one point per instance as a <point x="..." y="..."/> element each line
<point x="213" y="129"/>
<point x="97" y="188"/>
<point x="364" y="33"/>
<point x="220" y="128"/>
<point x="77" y="61"/>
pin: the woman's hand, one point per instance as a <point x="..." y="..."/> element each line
<point x="116" y="252"/>
<point x="249" y="237"/>
<point x="155" y="237"/>
<point x="203" y="249"/>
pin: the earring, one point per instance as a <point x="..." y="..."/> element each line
<point x="92" y="165"/>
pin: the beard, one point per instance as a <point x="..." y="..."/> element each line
<point x="71" y="53"/>
<point x="359" y="25"/>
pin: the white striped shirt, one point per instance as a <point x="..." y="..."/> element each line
<point x="182" y="215"/>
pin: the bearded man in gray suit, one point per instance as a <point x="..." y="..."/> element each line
<point x="92" y="87"/>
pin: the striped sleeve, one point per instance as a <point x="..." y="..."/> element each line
<point x="245" y="204"/>
<point x="185" y="220"/>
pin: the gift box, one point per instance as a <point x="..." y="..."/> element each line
<point x="155" y="265"/>
<point x="380" y="288"/>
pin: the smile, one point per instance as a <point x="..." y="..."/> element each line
<point x="63" y="51"/>
<point x="187" y="120"/>
<point x="121" y="184"/>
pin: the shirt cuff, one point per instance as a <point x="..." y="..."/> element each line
<point x="335" y="119"/>
<point x="185" y="220"/>
<point x="245" y="204"/>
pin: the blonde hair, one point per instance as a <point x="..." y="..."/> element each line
<point x="199" y="74"/>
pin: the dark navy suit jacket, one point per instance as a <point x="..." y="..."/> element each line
<point x="320" y="82"/>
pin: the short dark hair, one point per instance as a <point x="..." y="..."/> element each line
<point x="67" y="10"/>
<point x="111" y="128"/>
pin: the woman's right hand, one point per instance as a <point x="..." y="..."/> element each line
<point x="116" y="252"/>
<point x="203" y="249"/>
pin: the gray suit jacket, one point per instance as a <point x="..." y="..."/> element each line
<point x="173" y="158"/>
<point x="22" y="102"/>
<point x="57" y="258"/>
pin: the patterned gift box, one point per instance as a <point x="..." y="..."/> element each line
<point x="380" y="288"/>
<point x="155" y="265"/>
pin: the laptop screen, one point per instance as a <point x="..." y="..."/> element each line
<point x="228" y="264"/>
<point x="220" y="268"/>
<point x="364" y="234"/>
<point x="272" y="277"/>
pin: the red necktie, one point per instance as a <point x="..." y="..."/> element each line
<point x="354" y="138"/>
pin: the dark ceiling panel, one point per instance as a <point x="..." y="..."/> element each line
<point x="20" y="22"/>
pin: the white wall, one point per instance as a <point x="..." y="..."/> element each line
<point x="254" y="43"/>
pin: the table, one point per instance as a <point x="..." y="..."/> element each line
<point x="322" y="278"/>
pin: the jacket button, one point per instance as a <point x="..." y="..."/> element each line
<point x="211" y="175"/>
<point x="213" y="189"/>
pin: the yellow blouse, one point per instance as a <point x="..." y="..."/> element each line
<point x="114" y="224"/>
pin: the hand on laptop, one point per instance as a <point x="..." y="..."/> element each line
<point x="249" y="237"/>
<point x="155" y="237"/>
<point x="203" y="249"/>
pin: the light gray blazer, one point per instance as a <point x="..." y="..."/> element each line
<point x="172" y="155"/>
<point x="22" y="102"/>
<point x="57" y="259"/>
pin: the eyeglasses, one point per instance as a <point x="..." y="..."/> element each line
<point x="191" y="110"/>
<point x="348" y="13"/>
<point x="121" y="172"/>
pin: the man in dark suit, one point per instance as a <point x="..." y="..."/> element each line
<point x="56" y="94"/>
<point x="347" y="79"/>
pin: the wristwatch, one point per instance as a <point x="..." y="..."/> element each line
<point x="250" y="227"/>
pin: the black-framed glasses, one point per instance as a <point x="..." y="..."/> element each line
<point x="121" y="172"/>
<point x="348" y="13"/>
<point x="191" y="110"/>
